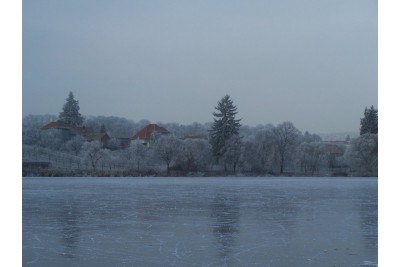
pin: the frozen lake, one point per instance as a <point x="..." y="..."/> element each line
<point x="200" y="222"/>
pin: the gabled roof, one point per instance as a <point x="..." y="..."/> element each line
<point x="57" y="125"/>
<point x="86" y="132"/>
<point x="101" y="137"/>
<point x="146" y="132"/>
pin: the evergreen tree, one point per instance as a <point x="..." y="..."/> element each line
<point x="225" y="126"/>
<point x="70" y="113"/>
<point x="369" y="124"/>
<point x="362" y="155"/>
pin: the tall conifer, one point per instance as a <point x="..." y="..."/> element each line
<point x="225" y="125"/>
<point x="70" y="113"/>
<point x="369" y="124"/>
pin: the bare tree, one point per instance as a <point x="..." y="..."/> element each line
<point x="166" y="148"/>
<point x="92" y="152"/>
<point x="286" y="137"/>
<point x="249" y="154"/>
<point x="194" y="155"/>
<point x="31" y="127"/>
<point x="265" y="148"/>
<point x="52" y="139"/>
<point x="311" y="157"/>
<point x="186" y="159"/>
<point x="232" y="152"/>
<point x="308" y="138"/>
<point x="137" y="154"/>
<point x="75" y="144"/>
<point x="203" y="152"/>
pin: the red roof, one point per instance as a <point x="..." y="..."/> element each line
<point x="147" y="131"/>
<point x="86" y="132"/>
<point x="57" y="125"/>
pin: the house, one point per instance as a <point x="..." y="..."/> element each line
<point x="149" y="133"/>
<point x="102" y="137"/>
<point x="333" y="149"/>
<point x="333" y="152"/>
<point x="123" y="142"/>
<point x="86" y="132"/>
<point x="57" y="125"/>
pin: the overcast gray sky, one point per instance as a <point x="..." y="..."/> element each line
<point x="312" y="62"/>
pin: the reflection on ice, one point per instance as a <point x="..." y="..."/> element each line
<point x="199" y="221"/>
<point x="68" y="217"/>
<point x="225" y="213"/>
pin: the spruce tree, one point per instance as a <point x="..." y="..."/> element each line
<point x="225" y="125"/>
<point x="70" y="113"/>
<point x="369" y="124"/>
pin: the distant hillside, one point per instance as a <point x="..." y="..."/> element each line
<point x="338" y="136"/>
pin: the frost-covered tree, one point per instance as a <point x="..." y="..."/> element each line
<point x="75" y="144"/>
<point x="111" y="160"/>
<point x="138" y="155"/>
<point x="92" y="152"/>
<point x="225" y="125"/>
<point x="309" y="138"/>
<point x="166" y="148"/>
<point x="203" y="154"/>
<point x="105" y="162"/>
<point x="53" y="139"/>
<point x="258" y="149"/>
<point x="286" y="138"/>
<point x="119" y="159"/>
<point x="311" y="157"/>
<point x="31" y="127"/>
<point x="362" y="155"/>
<point x="113" y="144"/>
<point x="250" y="159"/>
<point x="265" y="149"/>
<point x="194" y="155"/>
<point x="70" y="112"/>
<point x="187" y="157"/>
<point x="369" y="124"/>
<point x="232" y="152"/>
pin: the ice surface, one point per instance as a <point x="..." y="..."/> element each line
<point x="199" y="221"/>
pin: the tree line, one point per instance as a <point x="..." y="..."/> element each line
<point x="220" y="148"/>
